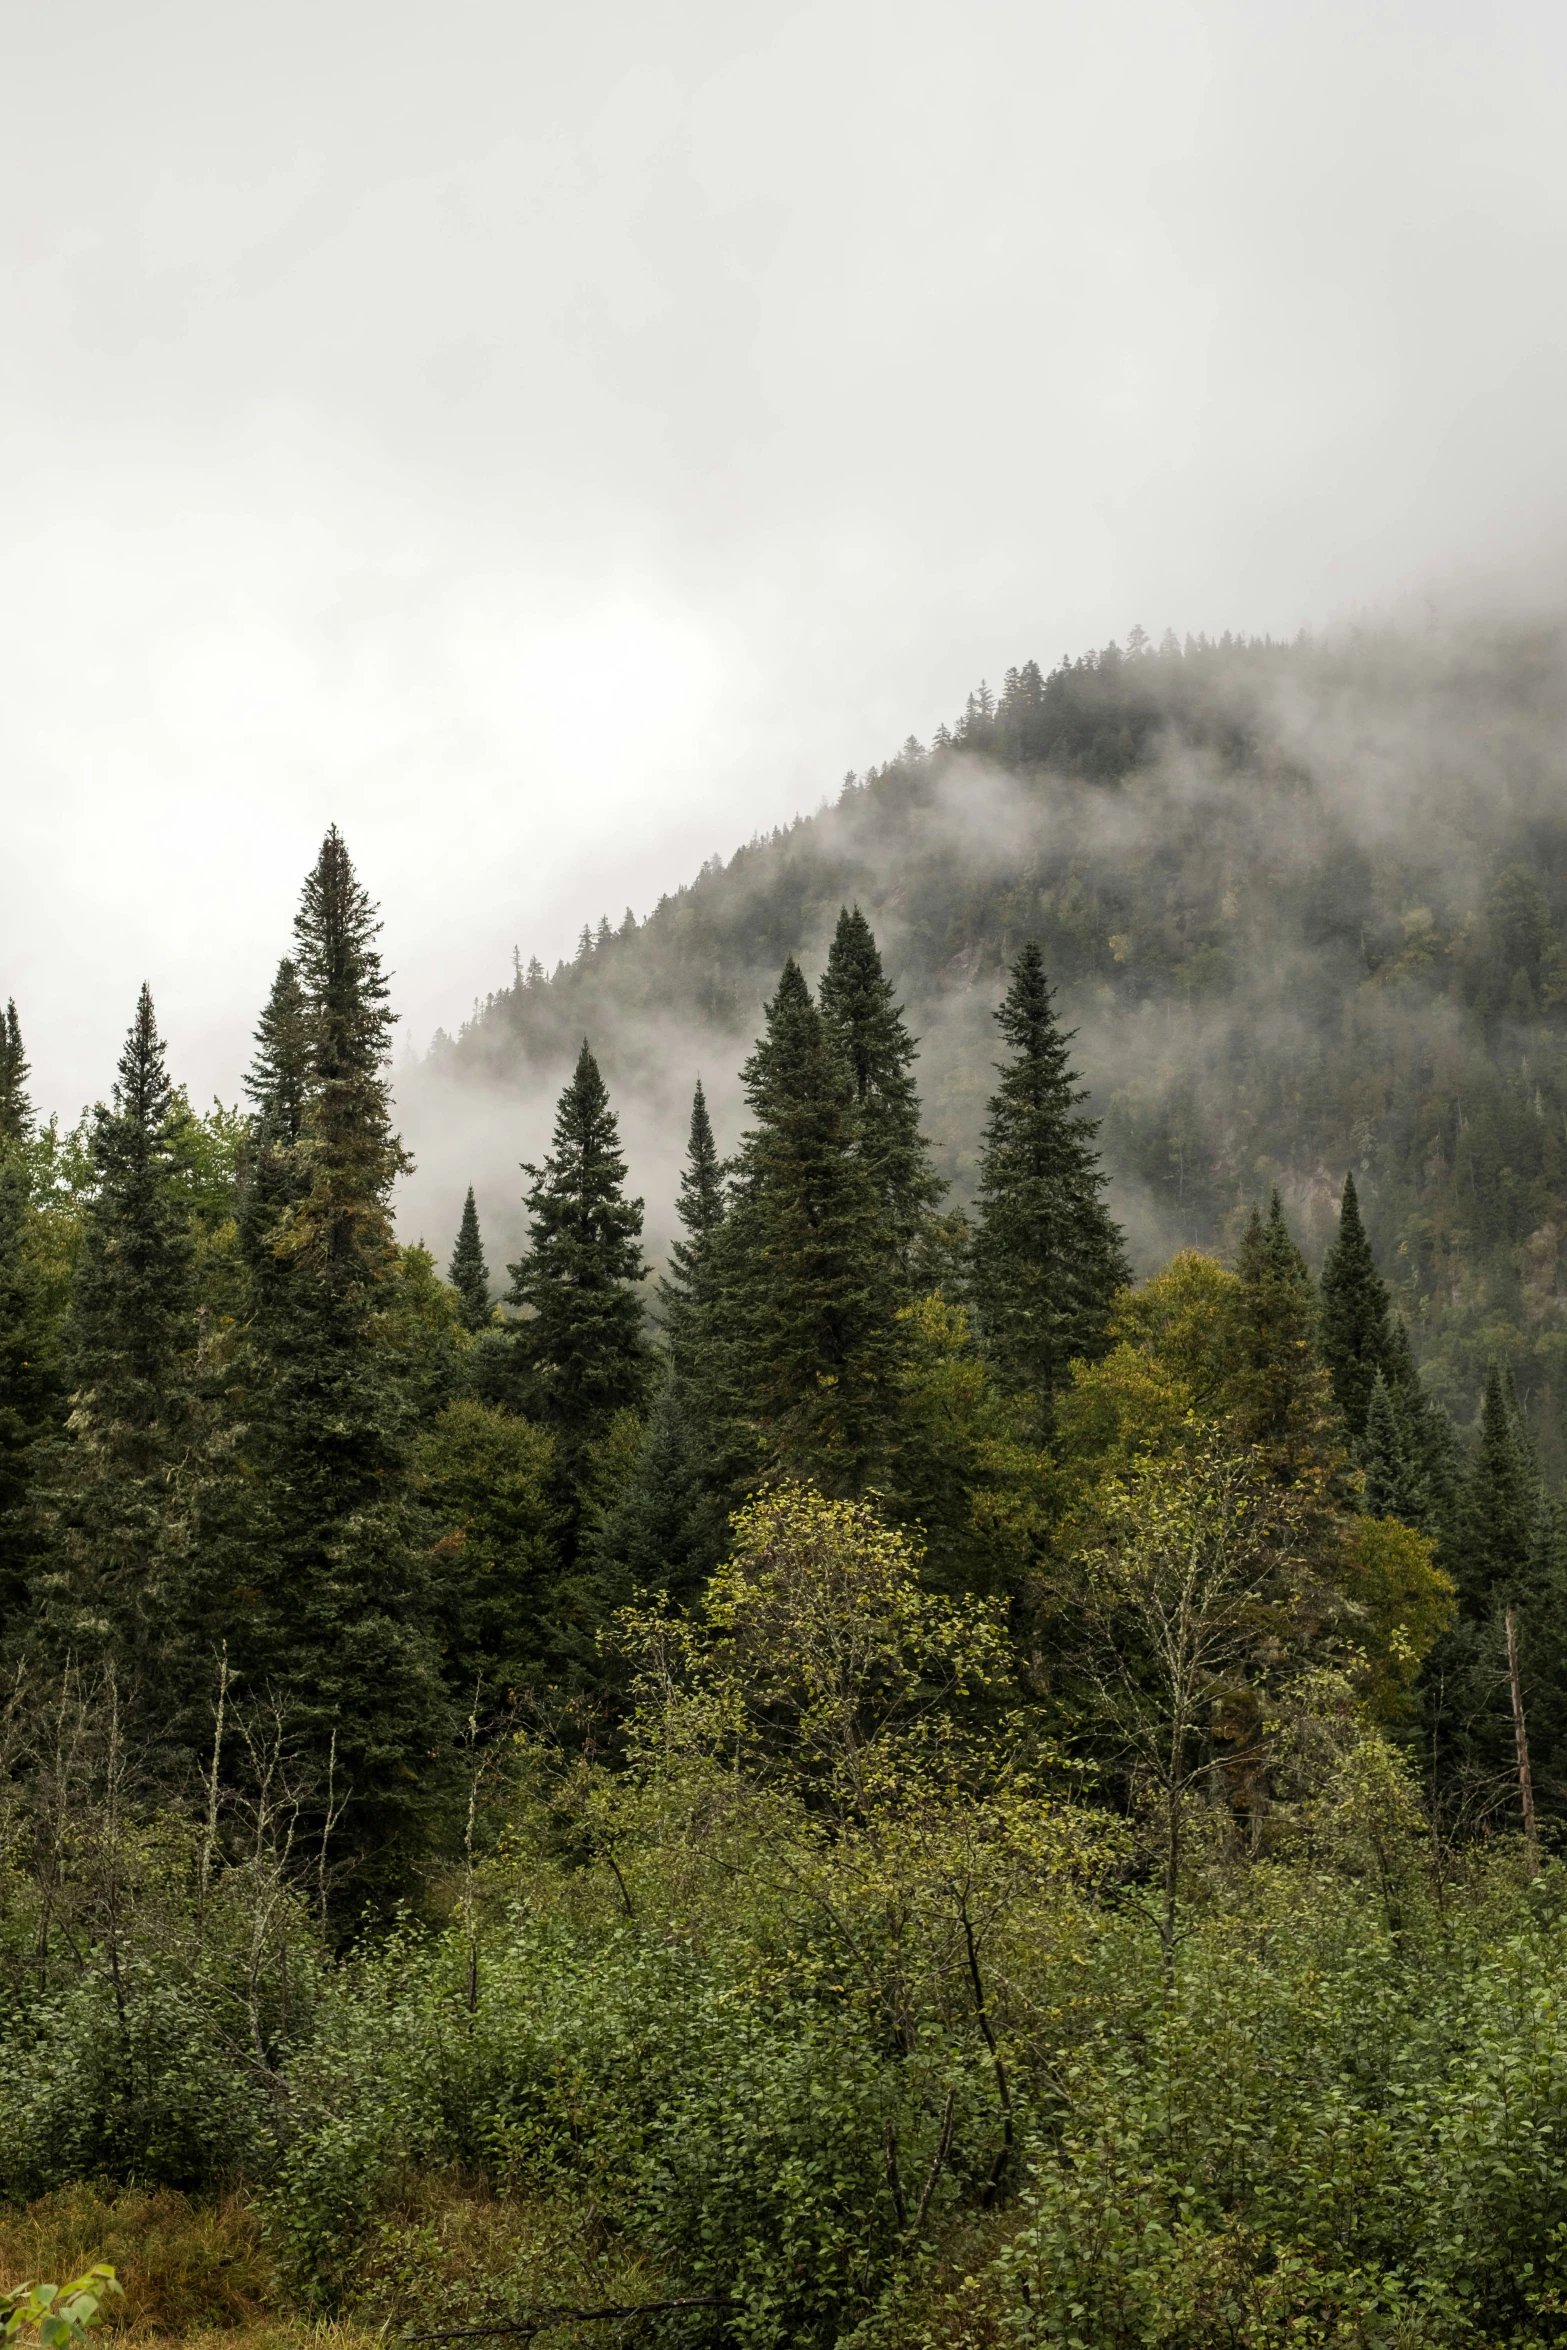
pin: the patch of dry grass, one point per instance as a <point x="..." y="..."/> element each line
<point x="446" y="2252"/>
<point x="187" y="2268"/>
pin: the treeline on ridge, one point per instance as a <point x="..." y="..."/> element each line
<point x="1305" y="903"/>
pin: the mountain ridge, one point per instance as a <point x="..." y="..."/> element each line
<point x="1305" y="905"/>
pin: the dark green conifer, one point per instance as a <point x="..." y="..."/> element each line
<point x="280" y="1073"/>
<point x="29" y="1369"/>
<point x="665" y="1529"/>
<point x="1501" y="1501"/>
<point x="274" y="1173"/>
<point x="112" y="1583"/>
<point x="1542" y="1641"/>
<point x="30" y="1390"/>
<point x="337" y="1624"/>
<point x="866" y="1025"/>
<point x="805" y="1291"/>
<point x="663" y="1532"/>
<point x="1353" y="1335"/>
<point x="1047" y="1257"/>
<point x="16" y="1110"/>
<point x="469" y="1274"/>
<point x="1287" y="1407"/>
<point x="1394" y="1487"/>
<point x="584" y="1344"/>
<point x="1430" y="1439"/>
<point x="700" y="1207"/>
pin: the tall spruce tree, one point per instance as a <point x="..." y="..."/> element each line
<point x="1354" y="1327"/>
<point x="700" y="1207"/>
<point x="1394" y="1485"/>
<point x="30" y="1391"/>
<point x="1287" y="1408"/>
<point x="1430" y="1440"/>
<point x="805" y="1296"/>
<point x="112" y="1580"/>
<point x="665" y="1528"/>
<point x="1047" y="1256"/>
<point x="469" y="1275"/>
<point x="1500" y="1502"/>
<point x="867" y="1027"/>
<point x="16" y="1110"/>
<point x="584" y="1344"/>
<point x="274" y="1172"/>
<point x="1503" y="1553"/>
<point x="662" y="1532"/>
<point x="338" y="1625"/>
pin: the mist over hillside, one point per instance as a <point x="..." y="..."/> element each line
<point x="1305" y="905"/>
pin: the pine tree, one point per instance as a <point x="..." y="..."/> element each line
<point x="1500" y="1503"/>
<point x="1047" y="1258"/>
<point x="29" y="1371"/>
<point x="664" y="1532"/>
<point x="1542" y="1642"/>
<point x="1394" y="1487"/>
<point x="16" y="1110"/>
<point x="805" y="1295"/>
<point x="584" y="1346"/>
<point x="30" y="1390"/>
<point x="700" y="1208"/>
<point x="1430" y="1440"/>
<point x="112" y="1582"/>
<point x="338" y="1626"/>
<point x="274" y="1173"/>
<point x="1287" y="1406"/>
<point x="863" y="1022"/>
<point x="469" y="1275"/>
<point x="1354" y="1328"/>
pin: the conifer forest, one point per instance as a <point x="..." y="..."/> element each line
<point x="912" y="1688"/>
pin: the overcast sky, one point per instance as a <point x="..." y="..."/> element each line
<point x="555" y="441"/>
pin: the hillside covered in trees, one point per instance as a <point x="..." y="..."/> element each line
<point x="976" y="1755"/>
<point x="1305" y="906"/>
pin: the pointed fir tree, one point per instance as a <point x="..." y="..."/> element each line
<point x="1353" y="1334"/>
<point x="29" y="1369"/>
<point x="1394" y="1487"/>
<point x="584" y="1344"/>
<point x="16" y="1110"/>
<point x="1287" y="1407"/>
<point x="30" y="1391"/>
<point x="1047" y="1258"/>
<point x="663" y="1532"/>
<point x="1542" y="1642"/>
<point x="273" y="1174"/>
<point x="469" y="1275"/>
<point x="803" y="1315"/>
<point x="866" y="1025"/>
<point x="1430" y="1440"/>
<point x="111" y="1585"/>
<point x="336" y="1621"/>
<point x="700" y="1207"/>
<point x="1501" y="1500"/>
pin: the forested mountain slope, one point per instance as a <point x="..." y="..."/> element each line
<point x="1306" y="906"/>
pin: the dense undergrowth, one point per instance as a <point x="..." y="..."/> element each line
<point x="842" y="2012"/>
